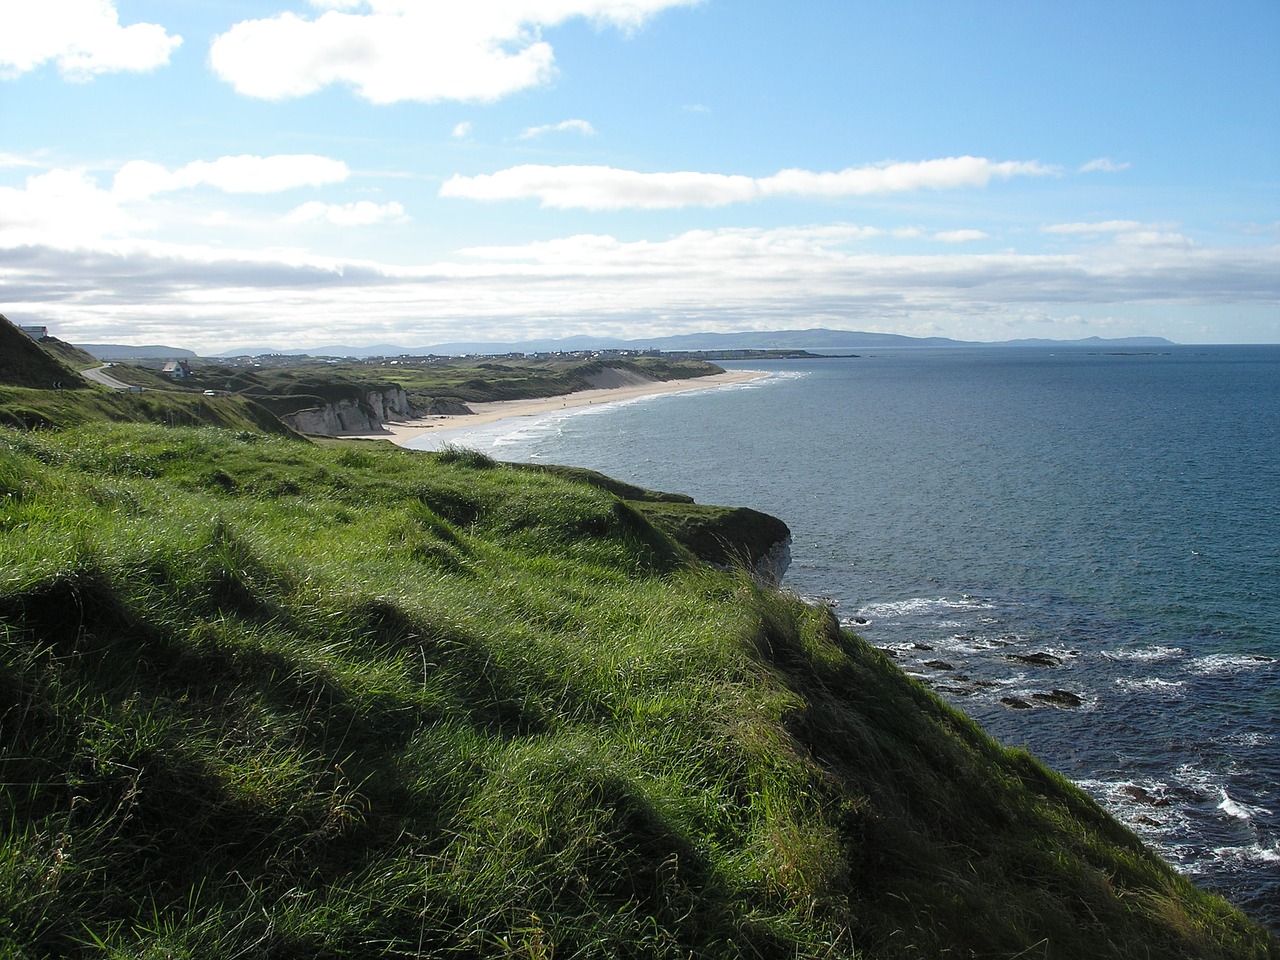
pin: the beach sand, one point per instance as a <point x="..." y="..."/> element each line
<point x="402" y="431"/>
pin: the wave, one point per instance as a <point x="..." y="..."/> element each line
<point x="1218" y="664"/>
<point x="1251" y="853"/>
<point x="916" y="606"/>
<point x="1154" y="654"/>
<point x="1240" y="811"/>
<point x="1152" y="685"/>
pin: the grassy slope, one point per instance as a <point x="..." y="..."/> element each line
<point x="23" y="362"/>
<point x="29" y="409"/>
<point x="27" y="401"/>
<point x="266" y="698"/>
<point x="72" y="357"/>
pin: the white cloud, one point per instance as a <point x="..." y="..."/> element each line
<point x="1098" y="227"/>
<point x="1103" y="165"/>
<point x="396" y="50"/>
<point x="602" y="188"/>
<point x="10" y="160"/>
<point x="462" y="130"/>
<point x="1129" y="232"/>
<point x="83" y="37"/>
<point x="140" y="179"/>
<point x="946" y="173"/>
<point x="564" y="126"/>
<point x="1154" y="238"/>
<point x="961" y="236"/>
<point x="362" y="213"/>
<point x="608" y="188"/>
<point x="64" y="207"/>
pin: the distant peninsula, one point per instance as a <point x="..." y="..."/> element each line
<point x="787" y="342"/>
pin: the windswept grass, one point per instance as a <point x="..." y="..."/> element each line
<point x="262" y="698"/>
<point x="30" y="409"/>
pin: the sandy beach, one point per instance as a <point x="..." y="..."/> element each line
<point x="403" y="431"/>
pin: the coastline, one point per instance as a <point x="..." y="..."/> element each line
<point x="401" y="432"/>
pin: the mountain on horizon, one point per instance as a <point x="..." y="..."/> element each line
<point x="814" y="340"/>
<point x="124" y="351"/>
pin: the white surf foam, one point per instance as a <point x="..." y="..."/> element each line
<point x="1218" y="664"/>
<point x="1154" y="654"/>
<point x="919" y="606"/>
<point x="1241" y="811"/>
<point x="1151" y="685"/>
<point x="1252" y="853"/>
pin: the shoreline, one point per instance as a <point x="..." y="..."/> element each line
<point x="401" y="432"/>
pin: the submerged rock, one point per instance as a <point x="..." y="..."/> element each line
<point x="1035" y="659"/>
<point x="1060" y="698"/>
<point x="1143" y="795"/>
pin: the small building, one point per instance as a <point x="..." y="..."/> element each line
<point x="178" y="369"/>
<point x="35" y="333"/>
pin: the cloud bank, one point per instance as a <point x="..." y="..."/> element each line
<point x="722" y="279"/>
<point x="608" y="188"/>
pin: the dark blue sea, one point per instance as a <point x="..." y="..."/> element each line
<point x="1079" y="548"/>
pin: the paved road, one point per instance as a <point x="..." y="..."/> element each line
<point x="100" y="375"/>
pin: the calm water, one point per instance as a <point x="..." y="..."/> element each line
<point x="1080" y="549"/>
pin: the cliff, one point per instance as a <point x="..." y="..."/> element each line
<point x="262" y="697"/>
<point x="364" y="413"/>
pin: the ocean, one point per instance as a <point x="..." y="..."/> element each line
<point x="1079" y="548"/>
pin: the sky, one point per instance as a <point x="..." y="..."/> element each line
<point x="212" y="174"/>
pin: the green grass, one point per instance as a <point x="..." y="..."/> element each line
<point x="32" y="409"/>
<point x="265" y="698"/>
<point x="25" y="363"/>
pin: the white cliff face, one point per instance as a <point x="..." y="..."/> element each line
<point x="772" y="567"/>
<point x="389" y="404"/>
<point x="367" y="415"/>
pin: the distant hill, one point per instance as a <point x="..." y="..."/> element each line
<point x="816" y="341"/>
<point x="125" y="351"/>
<point x="23" y="363"/>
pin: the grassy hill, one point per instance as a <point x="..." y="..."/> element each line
<point x="70" y="356"/>
<point x="29" y="399"/>
<point x="266" y="698"/>
<point x="24" y="363"/>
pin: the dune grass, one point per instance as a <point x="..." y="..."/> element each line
<point x="264" y="698"/>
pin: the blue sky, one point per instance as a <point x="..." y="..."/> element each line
<point x="292" y="173"/>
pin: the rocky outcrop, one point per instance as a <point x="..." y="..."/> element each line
<point x="391" y="404"/>
<point x="771" y="567"/>
<point x="344" y="417"/>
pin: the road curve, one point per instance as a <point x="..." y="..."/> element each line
<point x="99" y="375"/>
